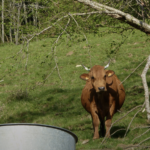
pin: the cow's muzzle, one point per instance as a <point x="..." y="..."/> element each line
<point x="101" y="88"/>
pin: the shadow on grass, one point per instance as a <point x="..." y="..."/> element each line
<point x="118" y="132"/>
<point x="57" y="103"/>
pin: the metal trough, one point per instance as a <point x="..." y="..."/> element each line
<point x="35" y="137"/>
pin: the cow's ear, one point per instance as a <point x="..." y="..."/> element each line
<point x="110" y="73"/>
<point x="84" y="76"/>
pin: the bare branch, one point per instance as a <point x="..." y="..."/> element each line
<point x="64" y="30"/>
<point x="50" y="73"/>
<point x="23" y="44"/>
<point x="143" y="76"/>
<point x="27" y="55"/>
<point x="117" y="14"/>
<point x="55" y="57"/>
<point x="83" y="34"/>
<point x="114" y="133"/>
<point x="75" y="14"/>
<point x="1" y="80"/>
<point x="127" y="114"/>
<point x="46" y="28"/>
<point x="117" y="131"/>
<point x="134" y="70"/>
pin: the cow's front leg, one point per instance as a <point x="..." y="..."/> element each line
<point x="108" y="126"/>
<point x="96" y="122"/>
<point x="109" y="120"/>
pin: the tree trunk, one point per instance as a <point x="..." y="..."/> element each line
<point x="18" y="23"/>
<point x="33" y="15"/>
<point x="0" y="33"/>
<point x="146" y="88"/>
<point x="10" y="29"/>
<point x="10" y="34"/>
<point x="6" y="37"/>
<point x="14" y="19"/>
<point x="36" y="14"/>
<point x="3" y="22"/>
<point x="25" y="13"/>
<point x="117" y="14"/>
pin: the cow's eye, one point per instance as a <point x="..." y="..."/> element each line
<point x="105" y="76"/>
<point x="92" y="77"/>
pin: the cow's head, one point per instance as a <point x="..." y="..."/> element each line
<point x="99" y="77"/>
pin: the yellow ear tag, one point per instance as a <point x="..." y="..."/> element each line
<point x="109" y="74"/>
<point x="86" y="78"/>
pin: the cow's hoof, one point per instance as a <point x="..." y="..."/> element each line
<point x="94" y="138"/>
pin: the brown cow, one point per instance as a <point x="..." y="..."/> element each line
<point x="102" y="96"/>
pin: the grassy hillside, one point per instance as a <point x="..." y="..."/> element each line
<point x="38" y="95"/>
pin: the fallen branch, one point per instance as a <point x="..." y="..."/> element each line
<point x="140" y="127"/>
<point x="133" y="119"/>
<point x="141" y="134"/>
<point x="144" y="140"/>
<point x="143" y="147"/>
<point x="119" y="120"/>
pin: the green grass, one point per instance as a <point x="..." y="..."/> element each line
<point x="26" y="97"/>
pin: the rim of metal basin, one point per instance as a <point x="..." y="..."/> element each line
<point x="42" y="125"/>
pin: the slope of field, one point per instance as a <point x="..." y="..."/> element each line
<point x="41" y="94"/>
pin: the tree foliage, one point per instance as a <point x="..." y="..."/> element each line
<point x="24" y="18"/>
